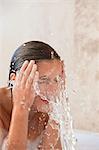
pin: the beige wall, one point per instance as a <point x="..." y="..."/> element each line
<point x="86" y="64"/>
<point x="71" y="27"/>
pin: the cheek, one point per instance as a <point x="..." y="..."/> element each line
<point x="52" y="88"/>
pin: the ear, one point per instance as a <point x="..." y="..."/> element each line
<point x="12" y="76"/>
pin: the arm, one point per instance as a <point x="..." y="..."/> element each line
<point x="17" y="137"/>
<point x="23" y="98"/>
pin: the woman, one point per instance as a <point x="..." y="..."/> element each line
<point x="25" y="122"/>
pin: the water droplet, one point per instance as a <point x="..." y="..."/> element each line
<point x="24" y="44"/>
<point x="62" y="114"/>
<point x="51" y="33"/>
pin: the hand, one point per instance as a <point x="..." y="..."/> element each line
<point x="23" y="90"/>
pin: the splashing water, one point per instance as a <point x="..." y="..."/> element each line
<point x="61" y="113"/>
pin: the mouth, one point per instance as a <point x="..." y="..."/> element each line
<point x="44" y="100"/>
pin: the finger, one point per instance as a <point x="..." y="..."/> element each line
<point x="27" y="73"/>
<point x="31" y="76"/>
<point x="23" y="68"/>
<point x="36" y="78"/>
<point x="35" y="86"/>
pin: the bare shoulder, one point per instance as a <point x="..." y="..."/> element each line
<point x="5" y="106"/>
<point x="3" y="133"/>
<point x="5" y="100"/>
<point x="5" y="95"/>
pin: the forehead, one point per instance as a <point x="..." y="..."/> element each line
<point x="49" y="67"/>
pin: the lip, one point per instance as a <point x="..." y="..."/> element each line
<point x="45" y="101"/>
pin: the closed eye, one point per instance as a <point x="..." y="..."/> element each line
<point x="43" y="79"/>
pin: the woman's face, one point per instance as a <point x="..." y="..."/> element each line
<point x="51" y="73"/>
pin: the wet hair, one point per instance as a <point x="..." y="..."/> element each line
<point x="33" y="50"/>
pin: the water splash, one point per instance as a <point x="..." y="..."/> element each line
<point x="61" y="113"/>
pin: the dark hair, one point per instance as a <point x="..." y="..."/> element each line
<point x="33" y="50"/>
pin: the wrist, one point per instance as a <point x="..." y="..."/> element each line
<point x="20" y="108"/>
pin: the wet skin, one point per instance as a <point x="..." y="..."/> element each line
<point x="23" y="91"/>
